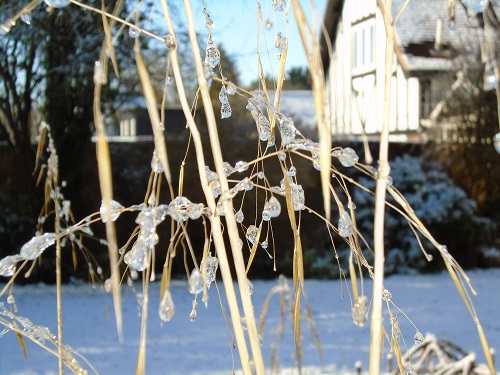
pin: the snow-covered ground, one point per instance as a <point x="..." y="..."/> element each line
<point x="203" y="347"/>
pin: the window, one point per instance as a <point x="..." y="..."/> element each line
<point x="363" y="45"/>
<point x="425" y="98"/>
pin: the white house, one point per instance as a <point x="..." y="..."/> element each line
<point x="422" y="71"/>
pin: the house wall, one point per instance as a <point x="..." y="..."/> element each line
<point x="357" y="90"/>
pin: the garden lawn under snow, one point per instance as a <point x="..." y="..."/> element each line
<point x="203" y="347"/>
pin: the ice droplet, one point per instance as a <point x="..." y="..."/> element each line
<point x="195" y="282"/>
<point x="193" y="315"/>
<point x="410" y="370"/>
<point x="475" y="6"/>
<point x="496" y="142"/>
<point x="268" y="24"/>
<point x="282" y="156"/>
<point x="227" y="168"/>
<point x="37" y="245"/>
<point x="239" y="217"/>
<point x="212" y="56"/>
<point x="345" y="224"/>
<point x="490" y="78"/>
<point x="279" y="5"/>
<point x="137" y="258"/>
<point x="11" y="299"/>
<point x="390" y="181"/>
<point x="212" y="265"/>
<point x="133" y="32"/>
<point x="167" y="309"/>
<point x="264" y="245"/>
<point x="156" y="166"/>
<point x="231" y="89"/>
<point x="260" y="175"/>
<point x="108" y="286"/>
<point x="360" y="311"/>
<point x="418" y="338"/>
<point x="169" y="41"/>
<point x="225" y="111"/>
<point x="209" y="24"/>
<point x="292" y="171"/>
<point x="115" y="207"/>
<point x="348" y="157"/>
<point x="223" y="95"/>
<point x="263" y="125"/>
<point x="8" y="265"/>
<point x="272" y="208"/>
<point x="280" y="44"/>
<point x="26" y="17"/>
<point x="249" y="287"/>
<point x="386" y="295"/>
<point x="243" y="323"/>
<point x="57" y="3"/>
<point x="287" y="129"/>
<point x="241" y="166"/>
<point x="251" y="234"/>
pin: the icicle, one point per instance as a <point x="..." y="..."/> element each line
<point x="223" y="95"/>
<point x="195" y="282"/>
<point x="167" y="308"/>
<point x="115" y="210"/>
<point x="37" y="245"/>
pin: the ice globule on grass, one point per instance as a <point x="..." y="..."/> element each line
<point x="195" y="282"/>
<point x="167" y="309"/>
<point x="225" y="111"/>
<point x="345" y="226"/>
<point x="239" y="217"/>
<point x="137" y="258"/>
<point x="279" y="5"/>
<point x="37" y="245"/>
<point x="212" y="55"/>
<point x="386" y="295"/>
<point x="496" y="142"/>
<point x="211" y="270"/>
<point x="249" y="287"/>
<point x="418" y="338"/>
<point x="134" y="32"/>
<point x="287" y="129"/>
<point x="297" y="192"/>
<point x="241" y="166"/>
<point x="156" y="166"/>
<point x="182" y="209"/>
<point x="8" y="265"/>
<point x="251" y="234"/>
<point x="272" y="208"/>
<point x="360" y="311"/>
<point x="213" y="181"/>
<point x="346" y="156"/>
<point x="280" y="44"/>
<point x="115" y="208"/>
<point x="490" y="79"/>
<point x="263" y="125"/>
<point x="26" y="17"/>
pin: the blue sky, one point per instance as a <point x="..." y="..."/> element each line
<point x="236" y="28"/>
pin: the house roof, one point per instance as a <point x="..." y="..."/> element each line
<point x="416" y="31"/>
